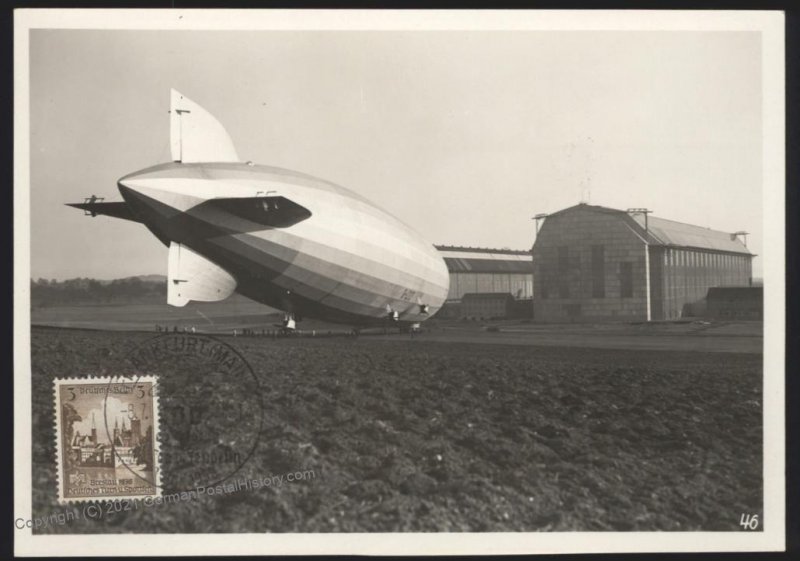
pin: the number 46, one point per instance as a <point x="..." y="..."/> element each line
<point x="749" y="521"/>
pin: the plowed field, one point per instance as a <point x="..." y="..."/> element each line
<point x="416" y="435"/>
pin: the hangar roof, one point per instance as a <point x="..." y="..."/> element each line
<point x="468" y="297"/>
<point x="486" y="260"/>
<point x="670" y="233"/>
<point x="484" y="250"/>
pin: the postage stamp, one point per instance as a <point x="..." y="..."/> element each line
<point x="107" y="438"/>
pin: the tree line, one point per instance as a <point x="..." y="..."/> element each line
<point x="53" y="292"/>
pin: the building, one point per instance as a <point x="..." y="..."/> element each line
<point x="87" y="451"/>
<point x="489" y="305"/>
<point x="494" y="275"/>
<point x="126" y="437"/>
<point x="477" y="270"/>
<point x="597" y="263"/>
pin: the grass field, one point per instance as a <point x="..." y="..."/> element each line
<point x="431" y="434"/>
<point x="239" y="313"/>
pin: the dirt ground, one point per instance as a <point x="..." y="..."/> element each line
<point x="423" y="435"/>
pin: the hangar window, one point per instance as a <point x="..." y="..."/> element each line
<point x="545" y="280"/>
<point x="626" y="279"/>
<point x="563" y="268"/>
<point x="598" y="271"/>
<point x="563" y="259"/>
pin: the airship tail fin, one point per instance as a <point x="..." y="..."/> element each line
<point x="193" y="277"/>
<point x="196" y="135"/>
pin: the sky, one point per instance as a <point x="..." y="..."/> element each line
<point x="464" y="135"/>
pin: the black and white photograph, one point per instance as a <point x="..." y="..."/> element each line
<point x="398" y="282"/>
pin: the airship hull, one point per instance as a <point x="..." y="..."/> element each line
<point x="347" y="262"/>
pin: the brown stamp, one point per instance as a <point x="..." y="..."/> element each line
<point x="107" y="438"/>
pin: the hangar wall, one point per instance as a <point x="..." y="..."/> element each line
<point x="589" y="263"/>
<point x="684" y="276"/>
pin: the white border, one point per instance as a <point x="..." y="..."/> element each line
<point x="770" y="24"/>
<point x="106" y="381"/>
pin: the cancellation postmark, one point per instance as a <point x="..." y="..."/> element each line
<point x="107" y="438"/>
<point x="210" y="405"/>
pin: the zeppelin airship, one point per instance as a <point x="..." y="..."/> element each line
<point x="294" y="242"/>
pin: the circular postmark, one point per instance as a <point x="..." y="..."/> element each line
<point x="198" y="417"/>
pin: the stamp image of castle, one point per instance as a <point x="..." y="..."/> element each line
<point x="107" y="437"/>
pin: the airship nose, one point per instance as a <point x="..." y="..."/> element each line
<point x="125" y="191"/>
<point x="144" y="207"/>
<point x="133" y="198"/>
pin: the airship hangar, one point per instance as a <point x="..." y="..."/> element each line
<point x="487" y="283"/>
<point x="592" y="263"/>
